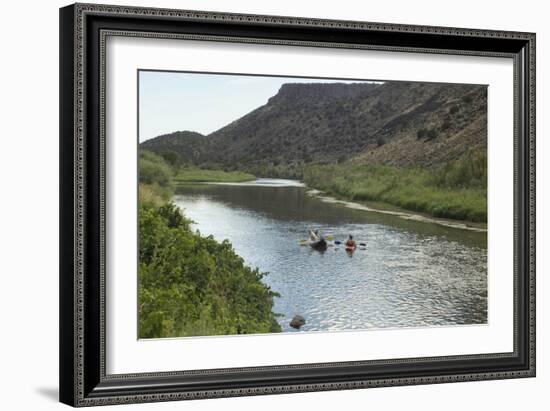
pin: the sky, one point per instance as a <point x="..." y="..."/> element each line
<point x="176" y="101"/>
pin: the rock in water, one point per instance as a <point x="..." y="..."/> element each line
<point x="297" y="322"/>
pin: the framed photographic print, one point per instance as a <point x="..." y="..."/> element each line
<point x="261" y="204"/>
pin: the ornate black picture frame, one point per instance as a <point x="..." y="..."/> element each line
<point x="83" y="30"/>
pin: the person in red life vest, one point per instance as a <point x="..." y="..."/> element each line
<point x="350" y="243"/>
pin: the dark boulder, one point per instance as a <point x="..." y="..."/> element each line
<point x="297" y="322"/>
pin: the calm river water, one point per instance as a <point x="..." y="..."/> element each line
<point x="411" y="274"/>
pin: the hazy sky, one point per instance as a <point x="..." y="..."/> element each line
<point x="171" y="102"/>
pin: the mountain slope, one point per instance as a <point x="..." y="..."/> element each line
<point x="398" y="123"/>
<point x="189" y="145"/>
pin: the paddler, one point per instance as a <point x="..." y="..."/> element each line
<point x="314" y="235"/>
<point x="350" y="243"/>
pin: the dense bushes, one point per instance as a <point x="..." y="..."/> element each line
<point x="192" y="285"/>
<point x="154" y="170"/>
<point x="457" y="190"/>
<point x="468" y="171"/>
<point x="166" y="169"/>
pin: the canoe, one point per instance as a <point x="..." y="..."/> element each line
<point x="320" y="245"/>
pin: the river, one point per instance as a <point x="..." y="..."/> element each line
<point x="410" y="274"/>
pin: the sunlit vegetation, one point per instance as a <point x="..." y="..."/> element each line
<point x="457" y="190"/>
<point x="199" y="175"/>
<point x="190" y="284"/>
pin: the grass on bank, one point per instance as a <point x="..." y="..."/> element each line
<point x="198" y="175"/>
<point x="189" y="284"/>
<point x="154" y="169"/>
<point x="455" y="191"/>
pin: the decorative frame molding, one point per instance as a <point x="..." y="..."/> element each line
<point x="83" y="32"/>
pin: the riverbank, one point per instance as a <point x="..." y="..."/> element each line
<point x="457" y="191"/>
<point x="454" y="195"/>
<point x="187" y="175"/>
<point x="189" y="284"/>
<point x="395" y="211"/>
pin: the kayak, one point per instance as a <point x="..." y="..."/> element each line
<point x="350" y="245"/>
<point x="319" y="245"/>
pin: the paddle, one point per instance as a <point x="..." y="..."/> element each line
<point x="361" y="244"/>
<point x="330" y="238"/>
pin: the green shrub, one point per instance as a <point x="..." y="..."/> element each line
<point x="468" y="171"/>
<point x="154" y="170"/>
<point x="172" y="158"/>
<point x="153" y="195"/>
<point x="457" y="190"/>
<point x="192" y="285"/>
